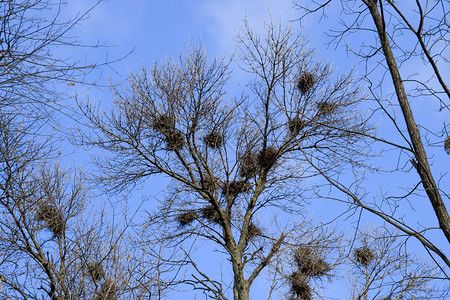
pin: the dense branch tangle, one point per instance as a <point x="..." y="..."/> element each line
<point x="51" y="245"/>
<point x="31" y="75"/>
<point x="233" y="159"/>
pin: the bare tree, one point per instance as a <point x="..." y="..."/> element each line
<point x="33" y="79"/>
<point x="55" y="244"/>
<point x="383" y="268"/>
<point x="240" y="166"/>
<point x="34" y="198"/>
<point x="396" y="37"/>
<point x="55" y="241"/>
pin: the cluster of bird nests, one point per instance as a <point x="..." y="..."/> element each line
<point x="251" y="162"/>
<point x="213" y="140"/>
<point x="108" y="290"/>
<point x="309" y="264"/>
<point x="165" y="124"/>
<point x="295" y="126"/>
<point x="364" y="256"/>
<point x="447" y="145"/>
<point x="186" y="218"/>
<point x="95" y="270"/>
<point x="53" y="219"/>
<point x="236" y="187"/>
<point x="208" y="212"/>
<point x="306" y="82"/>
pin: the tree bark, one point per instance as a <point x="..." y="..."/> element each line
<point x="241" y="287"/>
<point x="420" y="160"/>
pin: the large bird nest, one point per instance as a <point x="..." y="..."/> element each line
<point x="306" y="82"/>
<point x="295" y="125"/>
<point x="186" y="218"/>
<point x="209" y="183"/>
<point x="299" y="286"/>
<point x="214" y="140"/>
<point x="364" y="256"/>
<point x="252" y="232"/>
<point x="163" y="123"/>
<point x="175" y="140"/>
<point x="235" y="188"/>
<point x="211" y="214"/>
<point x="249" y="165"/>
<point x="53" y="219"/>
<point x="267" y="157"/>
<point x="309" y="263"/>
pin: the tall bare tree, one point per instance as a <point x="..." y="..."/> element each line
<point x="404" y="61"/>
<point x="241" y="164"/>
<point x="54" y="243"/>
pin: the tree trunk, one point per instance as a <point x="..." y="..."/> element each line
<point x="241" y="287"/>
<point x="420" y="160"/>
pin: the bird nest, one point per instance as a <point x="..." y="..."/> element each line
<point x="309" y="263"/>
<point x="211" y="214"/>
<point x="252" y="232"/>
<point x="175" y="140"/>
<point x="209" y="183"/>
<point x="235" y="188"/>
<point x="96" y="270"/>
<point x="306" y="82"/>
<point x="163" y="123"/>
<point x="267" y="157"/>
<point x="295" y="125"/>
<point x="326" y="108"/>
<point x="299" y="286"/>
<point x="186" y="218"/>
<point x="447" y="145"/>
<point x="364" y="256"/>
<point x="249" y="165"/>
<point x="214" y="140"/>
<point x="53" y="219"/>
<point x="108" y="291"/>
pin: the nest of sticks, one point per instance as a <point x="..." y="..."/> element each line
<point x="267" y="157"/>
<point x="306" y="82"/>
<point x="364" y="256"/>
<point x="309" y="263"/>
<point x="53" y="219"/>
<point x="214" y="140"/>
<point x="186" y="218"/>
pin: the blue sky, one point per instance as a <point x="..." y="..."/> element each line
<point x="160" y="28"/>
